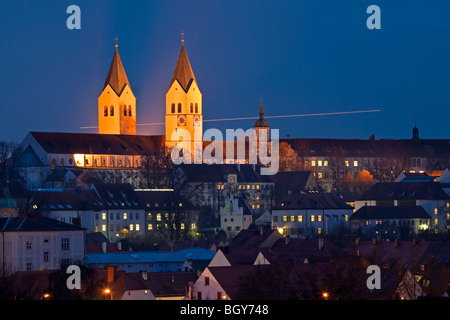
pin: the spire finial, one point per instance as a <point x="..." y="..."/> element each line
<point x="182" y="37"/>
<point x="261" y="110"/>
<point x="116" y="39"/>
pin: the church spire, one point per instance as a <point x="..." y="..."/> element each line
<point x="116" y="78"/>
<point x="261" y="122"/>
<point x="183" y="71"/>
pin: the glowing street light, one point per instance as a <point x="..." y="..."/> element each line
<point x="108" y="291"/>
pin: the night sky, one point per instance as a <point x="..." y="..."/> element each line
<point x="302" y="56"/>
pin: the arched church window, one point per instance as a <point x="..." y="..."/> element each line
<point x="103" y="162"/>
<point x="111" y="163"/>
<point x="129" y="111"/>
<point x="105" y="111"/>
<point x="192" y="108"/>
<point x="136" y="163"/>
<point x="111" y="111"/>
<point x="125" y="111"/>
<point x="53" y="164"/>
<point x="61" y="162"/>
<point x="173" y="107"/>
<point x="179" y="108"/>
<point x="196" y="108"/>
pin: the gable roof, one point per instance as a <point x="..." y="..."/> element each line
<point x="310" y="201"/>
<point x="42" y="224"/>
<point x="116" y="77"/>
<point x="405" y="191"/>
<point x="118" y="195"/>
<point x="371" y="148"/>
<point x="67" y="199"/>
<point x="95" y="143"/>
<point x="293" y="181"/>
<point x="183" y="71"/>
<point x="396" y="212"/>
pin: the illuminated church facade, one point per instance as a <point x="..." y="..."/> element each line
<point x="115" y="154"/>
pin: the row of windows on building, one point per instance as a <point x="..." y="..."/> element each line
<point x="412" y="162"/>
<point x="97" y="162"/>
<point x="179" y="107"/>
<point x="299" y="218"/>
<point x="127" y="111"/>
<point x="137" y="227"/>
<point x="65" y="244"/>
<point x="118" y="215"/>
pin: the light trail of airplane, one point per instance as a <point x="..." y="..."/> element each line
<point x="267" y="117"/>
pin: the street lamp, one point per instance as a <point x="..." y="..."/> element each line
<point x="108" y="291"/>
<point x="325" y="295"/>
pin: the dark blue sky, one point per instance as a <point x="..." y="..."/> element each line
<point x="302" y="56"/>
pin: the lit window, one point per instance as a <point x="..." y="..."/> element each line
<point x="347" y="163"/>
<point x="319" y="217"/>
<point x="158" y="217"/>
<point x="436" y="221"/>
<point x="292" y="218"/>
<point x="355" y="163"/>
<point x="300" y="218"/>
<point x="313" y="218"/>
<point x="182" y="226"/>
<point x="319" y="230"/>
<point x="284" y="218"/>
<point x="125" y="216"/>
<point x="150" y="226"/>
<point x="313" y="163"/>
<point x="346" y="217"/>
<point x="319" y="163"/>
<point x="104" y="216"/>
<point x="248" y="187"/>
<point x="435" y="211"/>
<point x="103" y="227"/>
<point x="131" y="227"/>
<point x="325" y="163"/>
<point x="253" y="187"/>
<point x="319" y="175"/>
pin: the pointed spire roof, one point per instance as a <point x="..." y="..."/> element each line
<point x="116" y="78"/>
<point x="183" y="71"/>
<point x="261" y="122"/>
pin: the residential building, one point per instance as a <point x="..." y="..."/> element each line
<point x="431" y="196"/>
<point x="235" y="216"/>
<point x="29" y="244"/>
<point x="391" y="221"/>
<point x="152" y="261"/>
<point x="310" y="214"/>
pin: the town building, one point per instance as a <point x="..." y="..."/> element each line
<point x="431" y="196"/>
<point x="235" y="216"/>
<point x="310" y="214"/>
<point x="41" y="243"/>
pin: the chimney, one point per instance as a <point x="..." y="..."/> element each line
<point x="374" y="241"/>
<point x="287" y="239"/>
<point x="76" y="222"/>
<point x="144" y="274"/>
<point x="104" y="247"/>
<point x="320" y="243"/>
<point x="111" y="271"/>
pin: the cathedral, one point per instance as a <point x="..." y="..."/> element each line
<point x="115" y="154"/>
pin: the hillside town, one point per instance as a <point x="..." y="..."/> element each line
<point x="140" y="227"/>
